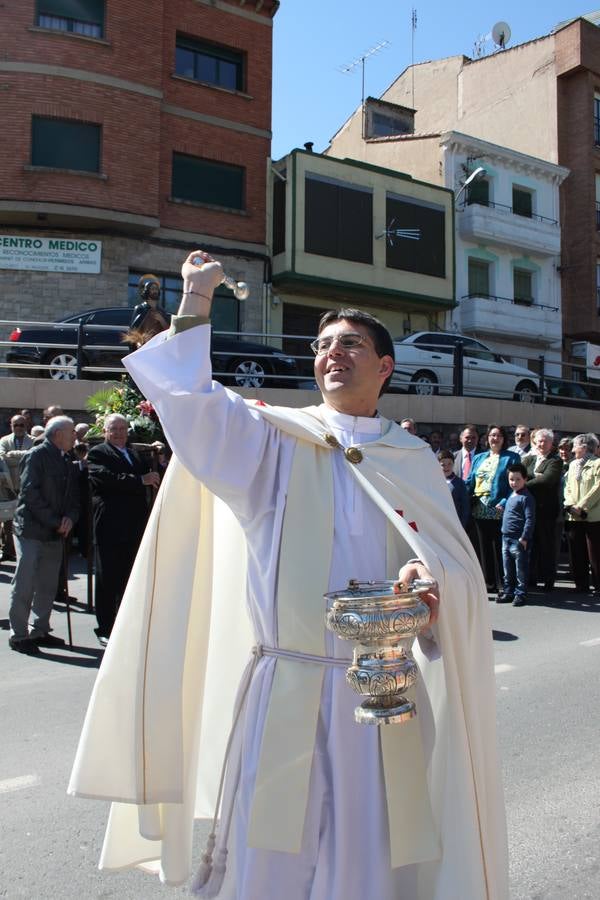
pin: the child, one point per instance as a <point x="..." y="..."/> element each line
<point x="518" y="520"/>
<point x="462" y="501"/>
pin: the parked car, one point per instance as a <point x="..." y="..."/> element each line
<point x="425" y="366"/>
<point x="236" y="362"/>
<point x="569" y="393"/>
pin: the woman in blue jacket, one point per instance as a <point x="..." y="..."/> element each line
<point x="489" y="489"/>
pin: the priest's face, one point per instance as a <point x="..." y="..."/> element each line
<point x="350" y="377"/>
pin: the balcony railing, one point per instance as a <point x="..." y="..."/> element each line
<point x="504" y="208"/>
<point x="479" y="295"/>
<point x="597" y="131"/>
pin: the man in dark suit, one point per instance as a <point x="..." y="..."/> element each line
<point x="118" y="479"/>
<point x="463" y="458"/>
<point x="544" y="471"/>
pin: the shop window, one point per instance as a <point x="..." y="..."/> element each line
<point x="75" y="16"/>
<point x="206" y="181"/>
<point x="65" y="144"/>
<point x="209" y="63"/>
<point x="338" y="219"/>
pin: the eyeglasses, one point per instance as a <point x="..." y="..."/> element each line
<point x="347" y="341"/>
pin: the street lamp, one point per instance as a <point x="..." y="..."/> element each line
<point x="479" y="172"/>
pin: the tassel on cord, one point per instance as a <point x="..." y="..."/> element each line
<point x="211" y="887"/>
<point x="205" y="870"/>
<point x="208" y="880"/>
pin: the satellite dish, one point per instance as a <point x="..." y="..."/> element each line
<point x="501" y="34"/>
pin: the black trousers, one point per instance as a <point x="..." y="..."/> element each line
<point x="490" y="551"/>
<point x="543" y="553"/>
<point x="113" y="567"/>
<point x="584" y="551"/>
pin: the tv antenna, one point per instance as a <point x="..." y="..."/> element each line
<point x="392" y="233"/>
<point x="413" y="25"/>
<point x="360" y="61"/>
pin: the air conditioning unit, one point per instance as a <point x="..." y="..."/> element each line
<point x="579" y="349"/>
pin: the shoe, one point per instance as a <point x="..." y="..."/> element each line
<point x="504" y="597"/>
<point x="48" y="640"/>
<point x="519" y="601"/>
<point x="23" y="645"/>
<point x="102" y="638"/>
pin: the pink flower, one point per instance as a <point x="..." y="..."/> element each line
<point x="146" y="408"/>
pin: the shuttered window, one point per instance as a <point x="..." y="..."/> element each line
<point x="207" y="181"/>
<point x="65" y="144"/>
<point x="338" y="220"/>
<point x="479" y="278"/>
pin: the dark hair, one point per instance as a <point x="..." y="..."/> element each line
<point x="502" y="431"/>
<point x="445" y="454"/>
<point x="518" y="467"/>
<point x="382" y="339"/>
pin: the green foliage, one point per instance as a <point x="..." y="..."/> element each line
<point x="125" y="399"/>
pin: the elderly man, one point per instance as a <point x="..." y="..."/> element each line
<point x="522" y="444"/>
<point x="13" y="447"/>
<point x="47" y="508"/>
<point x="282" y="506"/>
<point x="544" y="475"/>
<point x="18" y="439"/>
<point x="118" y="479"/>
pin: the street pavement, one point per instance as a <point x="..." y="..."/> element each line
<point x="548" y="694"/>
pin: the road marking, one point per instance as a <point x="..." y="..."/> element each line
<point x="503" y="667"/>
<point x="592" y="643"/>
<point x="18" y="784"/>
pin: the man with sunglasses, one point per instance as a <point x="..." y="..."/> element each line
<point x="266" y="509"/>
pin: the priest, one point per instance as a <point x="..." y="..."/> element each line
<point x="222" y="694"/>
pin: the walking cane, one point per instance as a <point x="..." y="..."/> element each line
<point x="66" y="588"/>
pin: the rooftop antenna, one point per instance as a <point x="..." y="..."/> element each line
<point x="413" y="23"/>
<point x="501" y="34"/>
<point x="360" y="61"/>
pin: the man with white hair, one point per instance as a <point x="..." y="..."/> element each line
<point x="544" y="472"/>
<point x="118" y="479"/>
<point x="47" y="508"/>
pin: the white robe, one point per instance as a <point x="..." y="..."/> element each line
<point x="246" y="461"/>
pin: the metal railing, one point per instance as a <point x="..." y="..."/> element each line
<point x="480" y="295"/>
<point x="509" y="209"/>
<point x="459" y="369"/>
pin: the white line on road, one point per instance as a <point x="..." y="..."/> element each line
<point x="503" y="667"/>
<point x="591" y="643"/>
<point x="18" y="784"/>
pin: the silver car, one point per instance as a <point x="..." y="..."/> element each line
<point x="425" y="366"/>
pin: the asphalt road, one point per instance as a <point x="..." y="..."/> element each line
<point x="547" y="670"/>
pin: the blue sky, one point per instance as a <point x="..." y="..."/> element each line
<point x="313" y="38"/>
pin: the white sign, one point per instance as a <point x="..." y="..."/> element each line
<point x="59" y="254"/>
<point x="593" y="360"/>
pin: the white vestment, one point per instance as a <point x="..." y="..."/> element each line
<point x="244" y="459"/>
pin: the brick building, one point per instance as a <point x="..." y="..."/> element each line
<point x="132" y="133"/>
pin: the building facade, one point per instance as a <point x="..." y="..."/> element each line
<point x="336" y="242"/>
<point x="132" y="134"/>
<point x="541" y="98"/>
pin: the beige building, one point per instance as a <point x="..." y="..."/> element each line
<point x="335" y="243"/>
<point x="542" y="99"/>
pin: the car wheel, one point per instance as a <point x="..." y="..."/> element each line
<point x="63" y="365"/>
<point x="526" y="392"/>
<point x="248" y="373"/>
<point x="424" y="383"/>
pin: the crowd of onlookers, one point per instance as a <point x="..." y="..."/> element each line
<point x="53" y="484"/>
<point x="519" y="499"/>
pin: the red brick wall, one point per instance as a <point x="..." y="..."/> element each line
<point x="138" y="138"/>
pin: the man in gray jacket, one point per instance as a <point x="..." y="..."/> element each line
<point x="47" y="508"/>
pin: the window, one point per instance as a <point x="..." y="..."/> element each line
<point x="597" y="120"/>
<point x="427" y="256"/>
<point x="522" y="203"/>
<point x="479" y="192"/>
<point x="76" y="16"/>
<point x="279" y="191"/>
<point x="65" y="144"/>
<point x="523" y="286"/>
<point x="338" y="219"/>
<point x="597" y="201"/>
<point x="598" y="287"/>
<point x="117" y="316"/>
<point x="387" y="119"/>
<point x="479" y="278"/>
<point x="209" y="63"/>
<point x="225" y="310"/>
<point x="205" y="181"/>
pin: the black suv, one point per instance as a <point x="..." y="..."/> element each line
<point x="236" y="362"/>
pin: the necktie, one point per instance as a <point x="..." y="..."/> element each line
<point x="466" y="470"/>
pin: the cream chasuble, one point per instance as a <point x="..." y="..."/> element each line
<point x="155" y="733"/>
